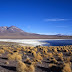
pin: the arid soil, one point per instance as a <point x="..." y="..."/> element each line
<point x="35" y="37"/>
<point x="16" y="58"/>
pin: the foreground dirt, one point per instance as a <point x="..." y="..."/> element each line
<point x="46" y="59"/>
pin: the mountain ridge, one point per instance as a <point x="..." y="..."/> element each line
<point x="14" y="32"/>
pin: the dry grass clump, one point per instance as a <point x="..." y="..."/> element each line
<point x="0" y="54"/>
<point x="67" y="59"/>
<point x="18" y="57"/>
<point x="67" y="67"/>
<point x="50" y="48"/>
<point x="60" y="54"/>
<point x="19" y="49"/>
<point x="56" y="67"/>
<point x="2" y="51"/>
<point x="28" y="50"/>
<point x="52" y="64"/>
<point x="35" y="49"/>
<point x="46" y="56"/>
<point x="54" y="53"/>
<point x="33" y="53"/>
<point x="55" y="50"/>
<point x="22" y="67"/>
<point x="37" y="61"/>
<point x="31" y="47"/>
<point x="58" y="49"/>
<point x="31" y="68"/>
<point x="6" y="62"/>
<point x="28" y="60"/>
<point x="50" y="54"/>
<point x="39" y="53"/>
<point x="14" y="56"/>
<point x="70" y="53"/>
<point x="60" y="58"/>
<point x="9" y="51"/>
<point x="39" y="57"/>
<point x="11" y="57"/>
<point x="24" y="49"/>
<point x="4" y="48"/>
<point x="54" y="60"/>
<point x="45" y="50"/>
<point x="24" y="53"/>
<point x="65" y="50"/>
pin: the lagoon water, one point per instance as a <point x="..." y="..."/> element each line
<point x="43" y="42"/>
<point x="58" y="42"/>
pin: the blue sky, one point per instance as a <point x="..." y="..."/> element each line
<point x="38" y="16"/>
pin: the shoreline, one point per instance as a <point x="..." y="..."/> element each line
<point x="29" y="42"/>
<point x="24" y="42"/>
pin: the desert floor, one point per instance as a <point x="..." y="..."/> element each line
<point x="17" y="58"/>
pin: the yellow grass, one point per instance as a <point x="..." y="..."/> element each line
<point x="67" y="67"/>
<point x="21" y="67"/>
<point x="2" y="51"/>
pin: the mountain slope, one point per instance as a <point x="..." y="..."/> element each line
<point x="14" y="32"/>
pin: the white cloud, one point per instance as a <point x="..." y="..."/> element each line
<point x="55" y="19"/>
<point x="54" y="33"/>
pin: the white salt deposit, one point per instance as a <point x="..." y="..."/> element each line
<point x="33" y="42"/>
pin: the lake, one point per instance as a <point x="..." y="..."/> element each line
<point x="57" y="42"/>
<point x="44" y="42"/>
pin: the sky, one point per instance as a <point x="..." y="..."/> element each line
<point x="48" y="17"/>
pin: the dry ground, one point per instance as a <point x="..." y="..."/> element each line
<point x="47" y="59"/>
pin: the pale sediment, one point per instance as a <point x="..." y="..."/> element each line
<point x="24" y="42"/>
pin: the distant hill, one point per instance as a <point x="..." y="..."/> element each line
<point x="61" y="35"/>
<point x="16" y="33"/>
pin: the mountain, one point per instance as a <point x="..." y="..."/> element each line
<point x="12" y="29"/>
<point x="14" y="32"/>
<point x="61" y="35"/>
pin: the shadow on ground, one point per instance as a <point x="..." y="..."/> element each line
<point x="51" y="69"/>
<point x="9" y="67"/>
<point x="4" y="58"/>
